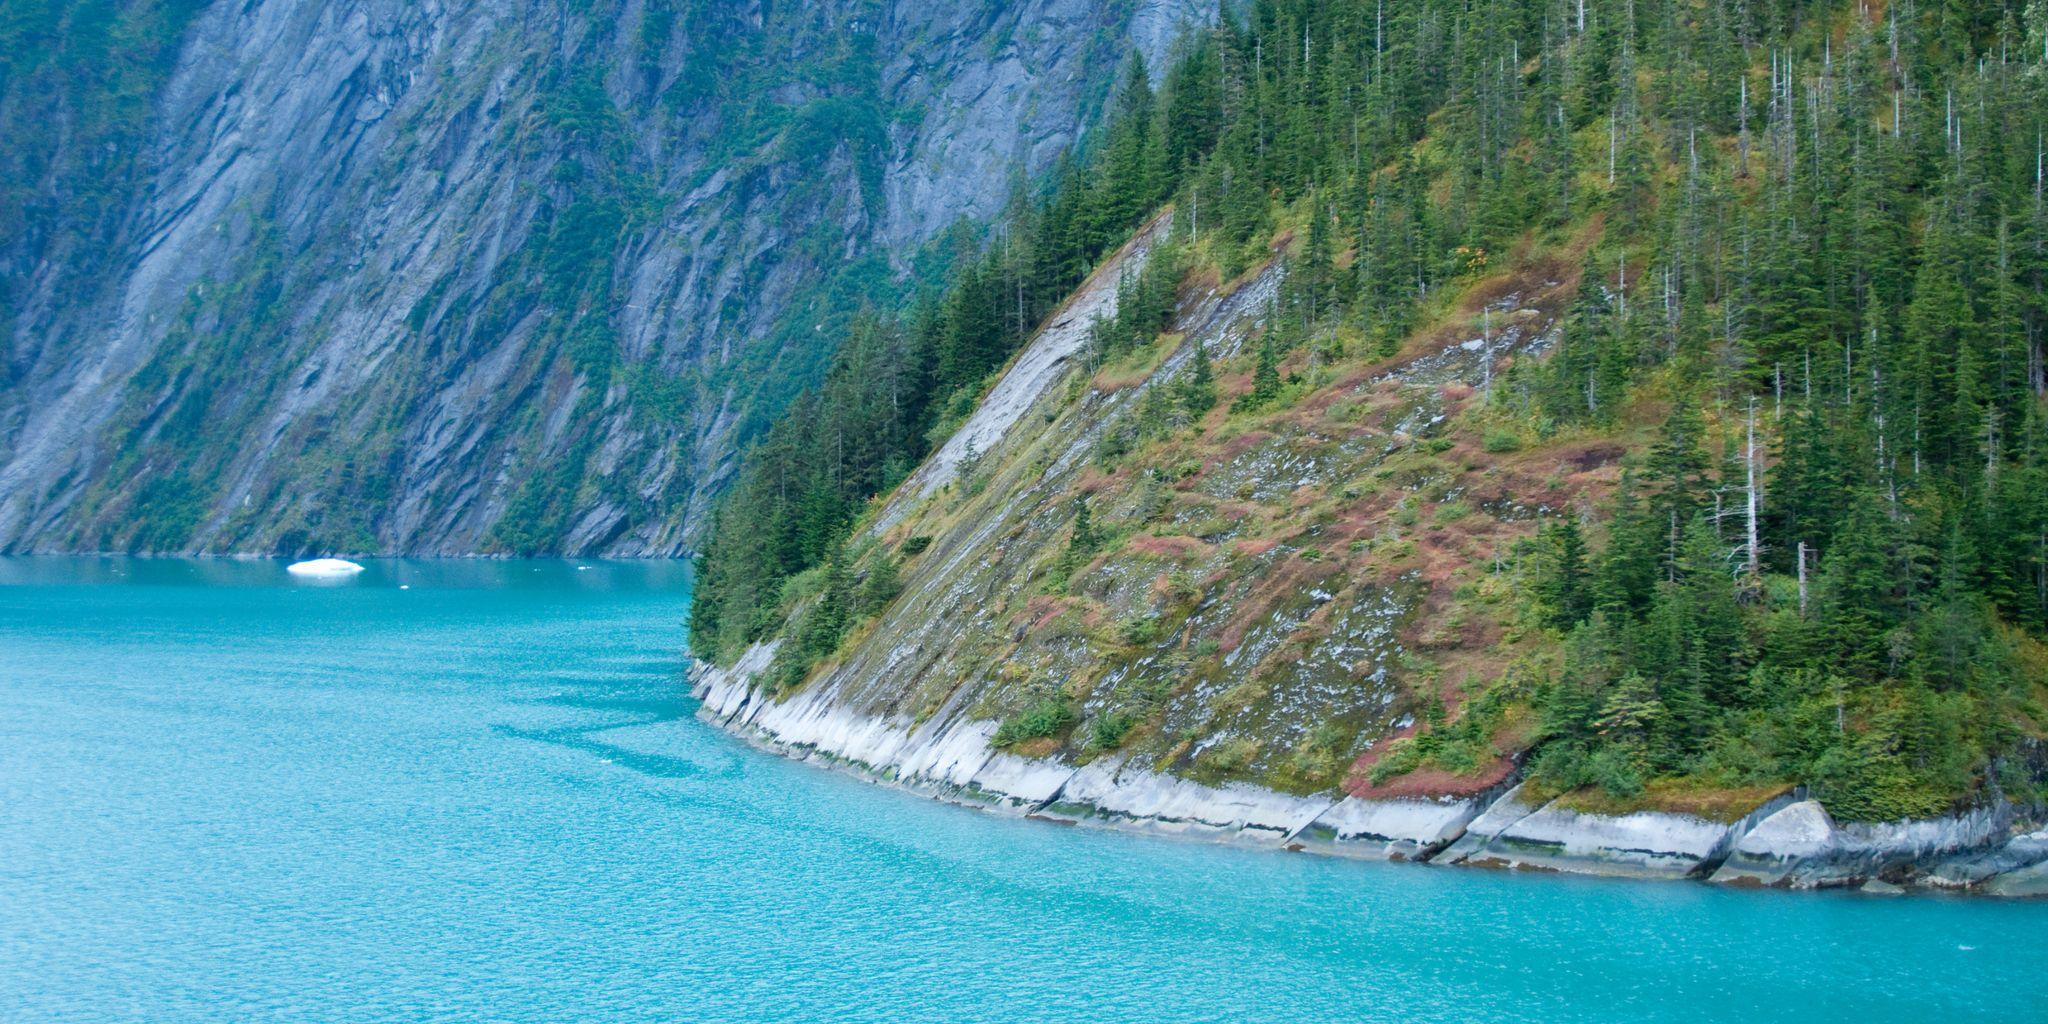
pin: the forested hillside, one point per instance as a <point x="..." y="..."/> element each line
<point x="1801" y="258"/>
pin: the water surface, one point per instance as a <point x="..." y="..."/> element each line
<point x="228" y="795"/>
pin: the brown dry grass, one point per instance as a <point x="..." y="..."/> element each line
<point x="1175" y="547"/>
<point x="1136" y="368"/>
<point x="1429" y="782"/>
<point x="1677" y="796"/>
<point x="1043" y="746"/>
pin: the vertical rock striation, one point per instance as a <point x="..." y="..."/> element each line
<point x="453" y="277"/>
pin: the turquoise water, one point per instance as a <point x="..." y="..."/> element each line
<point x="228" y="796"/>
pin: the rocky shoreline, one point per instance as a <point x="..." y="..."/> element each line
<point x="1789" y="842"/>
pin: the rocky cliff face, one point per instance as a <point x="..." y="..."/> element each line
<point x="456" y="277"/>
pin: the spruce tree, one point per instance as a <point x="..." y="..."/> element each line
<point x="1198" y="390"/>
<point x="1265" y="378"/>
<point x="1842" y="233"/>
<point x="1562" y="584"/>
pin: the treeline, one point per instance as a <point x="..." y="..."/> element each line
<point x="901" y="382"/>
<point x="1832" y="273"/>
<point x="1818" y="253"/>
<point x="1825" y="253"/>
<point x="1232" y="130"/>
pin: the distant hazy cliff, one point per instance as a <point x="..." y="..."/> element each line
<point x="461" y="277"/>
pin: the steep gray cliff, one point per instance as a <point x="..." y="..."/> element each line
<point x="451" y="277"/>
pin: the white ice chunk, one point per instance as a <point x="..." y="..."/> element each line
<point x="324" y="567"/>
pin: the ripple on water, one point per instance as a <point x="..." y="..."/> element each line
<point x="484" y="797"/>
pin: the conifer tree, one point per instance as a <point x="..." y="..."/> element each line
<point x="1198" y="390"/>
<point x="879" y="587"/>
<point x="1265" y="378"/>
<point x="1793" y="222"/>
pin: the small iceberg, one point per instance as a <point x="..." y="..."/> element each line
<point x="324" y="567"/>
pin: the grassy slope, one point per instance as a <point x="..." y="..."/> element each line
<point x="1237" y="622"/>
<point x="1321" y="594"/>
<point x="1291" y="596"/>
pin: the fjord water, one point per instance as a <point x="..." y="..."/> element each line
<point x="475" y="791"/>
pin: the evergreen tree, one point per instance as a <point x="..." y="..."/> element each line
<point x="1265" y="378"/>
<point x="1790" y="221"/>
<point x="1563" y="583"/>
<point x="879" y="587"/>
<point x="1198" y="388"/>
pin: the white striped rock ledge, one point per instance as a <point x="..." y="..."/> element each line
<point x="1788" y="842"/>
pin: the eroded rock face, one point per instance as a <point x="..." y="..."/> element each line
<point x="1390" y="829"/>
<point x="2021" y="867"/>
<point x="1646" y="844"/>
<point x="454" y="276"/>
<point x="1771" y="852"/>
<point x="1785" y="843"/>
<point x="1801" y="847"/>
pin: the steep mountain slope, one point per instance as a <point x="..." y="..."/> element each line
<point x="463" y="277"/>
<point x="1257" y="614"/>
<point x="1202" y="631"/>
<point x="1483" y="464"/>
<point x="1251" y="604"/>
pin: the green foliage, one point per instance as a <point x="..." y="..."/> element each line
<point x="1265" y="379"/>
<point x="879" y="587"/>
<point x="1830" y="311"/>
<point x="823" y="125"/>
<point x="1888" y="689"/>
<point x="1138" y="630"/>
<point x="1615" y="770"/>
<point x="1322" y="757"/>
<point x="1145" y="305"/>
<point x="1197" y="390"/>
<point x="1108" y="731"/>
<point x="1082" y="543"/>
<point x="1227" y="758"/>
<point x="1458" y="747"/>
<point x="1562" y="584"/>
<point x="538" y="515"/>
<point x="169" y="508"/>
<point x="1047" y="717"/>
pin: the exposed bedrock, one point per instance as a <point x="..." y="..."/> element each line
<point x="1785" y="843"/>
<point x="1802" y="847"/>
<point x="460" y="277"/>
<point x="1648" y="844"/>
